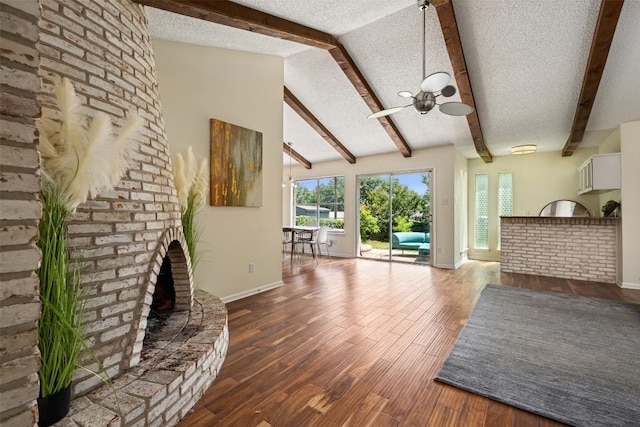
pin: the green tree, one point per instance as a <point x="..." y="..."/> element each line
<point x="374" y="197"/>
<point x="326" y="192"/>
<point x="407" y="203"/>
<point x="368" y="224"/>
<point x="305" y="196"/>
<point x="402" y="223"/>
<point x="331" y="194"/>
<point x="331" y="190"/>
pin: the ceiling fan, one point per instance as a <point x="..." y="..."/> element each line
<point x="433" y="86"/>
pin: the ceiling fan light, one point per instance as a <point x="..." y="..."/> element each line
<point x="405" y="94"/>
<point x="456" y="108"/>
<point x="524" y="149"/>
<point x="435" y="82"/>
<point x="448" y="91"/>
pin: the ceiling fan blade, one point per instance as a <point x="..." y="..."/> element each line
<point x="456" y="108"/>
<point x="435" y="82"/>
<point x="386" y="112"/>
<point x="405" y="94"/>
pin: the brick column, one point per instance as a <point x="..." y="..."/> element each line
<point x="20" y="211"/>
<point x="103" y="47"/>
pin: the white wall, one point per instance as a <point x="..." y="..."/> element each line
<point x="440" y="159"/>
<point x="461" y="245"/>
<point x="537" y="180"/>
<point x="630" y="196"/>
<point x="611" y="144"/>
<point x="219" y="85"/>
<point x="200" y="83"/>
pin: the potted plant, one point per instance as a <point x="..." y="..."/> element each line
<point x="191" y="181"/>
<point x="77" y="162"/>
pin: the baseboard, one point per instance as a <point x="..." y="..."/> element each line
<point x="324" y="255"/>
<point x="480" y="257"/>
<point x="250" y="292"/>
<point x="459" y="263"/>
<point x="629" y="285"/>
<point x="338" y="255"/>
<point x="447" y="266"/>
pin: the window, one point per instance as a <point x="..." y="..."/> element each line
<point x="481" y="214"/>
<point x="505" y="197"/>
<point x="320" y="201"/>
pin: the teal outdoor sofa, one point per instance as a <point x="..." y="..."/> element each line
<point x="412" y="240"/>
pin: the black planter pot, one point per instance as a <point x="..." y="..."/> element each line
<point x="54" y="407"/>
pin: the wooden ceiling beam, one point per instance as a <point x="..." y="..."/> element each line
<point x="342" y="57"/>
<point x="313" y="121"/>
<point x="600" y="45"/>
<point x="244" y="18"/>
<point x="295" y="155"/>
<point x="451" y="36"/>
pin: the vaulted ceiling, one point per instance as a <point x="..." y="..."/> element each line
<point x="558" y="74"/>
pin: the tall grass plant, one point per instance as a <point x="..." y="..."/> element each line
<point x="78" y="162"/>
<point x="191" y="181"/>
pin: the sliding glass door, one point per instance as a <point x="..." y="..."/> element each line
<point x="395" y="217"/>
<point x="375" y="216"/>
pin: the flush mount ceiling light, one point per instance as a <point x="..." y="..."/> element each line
<point x="524" y="149"/>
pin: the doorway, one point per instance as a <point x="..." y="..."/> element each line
<point x="395" y="217"/>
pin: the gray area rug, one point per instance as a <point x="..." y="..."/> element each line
<point x="569" y="358"/>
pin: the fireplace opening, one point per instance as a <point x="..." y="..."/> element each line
<point x="162" y="305"/>
<point x="168" y="302"/>
<point x="164" y="296"/>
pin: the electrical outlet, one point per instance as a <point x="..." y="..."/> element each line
<point x="439" y="250"/>
<point x="252" y="267"/>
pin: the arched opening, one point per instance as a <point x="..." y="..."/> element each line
<point x="170" y="298"/>
<point x="169" y="293"/>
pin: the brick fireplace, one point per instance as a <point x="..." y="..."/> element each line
<point x="119" y="239"/>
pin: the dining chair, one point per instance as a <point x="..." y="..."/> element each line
<point x="320" y="238"/>
<point x="287" y="239"/>
<point x="300" y="239"/>
<point x="308" y="235"/>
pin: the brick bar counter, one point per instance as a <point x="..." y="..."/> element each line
<point x="581" y="248"/>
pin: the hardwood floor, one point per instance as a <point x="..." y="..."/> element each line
<point x="358" y="343"/>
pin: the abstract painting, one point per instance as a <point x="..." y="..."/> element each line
<point x="236" y="165"/>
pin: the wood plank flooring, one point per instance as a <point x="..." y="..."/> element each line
<point x="358" y="343"/>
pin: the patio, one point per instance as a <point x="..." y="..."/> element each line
<point x="380" y="251"/>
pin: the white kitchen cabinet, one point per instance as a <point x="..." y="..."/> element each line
<point x="600" y="173"/>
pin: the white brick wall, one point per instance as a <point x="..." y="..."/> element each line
<point x="103" y="47"/>
<point x="20" y="211"/>
<point x="162" y="389"/>
<point x="120" y="238"/>
<point x="580" y="248"/>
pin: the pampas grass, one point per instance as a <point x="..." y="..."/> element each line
<point x="59" y="338"/>
<point x="77" y="163"/>
<point x="190" y="176"/>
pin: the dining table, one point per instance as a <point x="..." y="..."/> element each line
<point x="296" y="232"/>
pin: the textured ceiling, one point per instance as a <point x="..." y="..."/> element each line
<point x="618" y="99"/>
<point x="526" y="73"/>
<point x="525" y="60"/>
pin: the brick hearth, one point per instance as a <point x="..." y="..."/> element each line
<point x="182" y="364"/>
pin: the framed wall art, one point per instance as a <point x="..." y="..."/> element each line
<point x="236" y="165"/>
